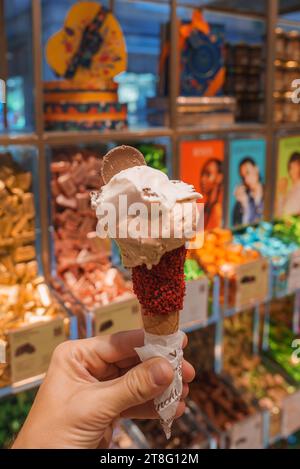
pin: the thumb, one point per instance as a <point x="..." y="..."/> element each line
<point x="140" y="384"/>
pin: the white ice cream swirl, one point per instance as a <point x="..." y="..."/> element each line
<point x="164" y="219"/>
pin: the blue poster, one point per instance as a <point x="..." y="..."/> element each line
<point x="247" y="171"/>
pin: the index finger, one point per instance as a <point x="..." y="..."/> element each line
<point x="119" y="346"/>
<point x="116" y="347"/>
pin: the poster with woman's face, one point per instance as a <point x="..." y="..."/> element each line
<point x="201" y="164"/>
<point x="246" y="181"/>
<point x="287" y="196"/>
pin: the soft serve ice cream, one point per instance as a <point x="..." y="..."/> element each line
<point x="151" y="218"/>
<point x="157" y="215"/>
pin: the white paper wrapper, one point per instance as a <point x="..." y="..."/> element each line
<point x="169" y="347"/>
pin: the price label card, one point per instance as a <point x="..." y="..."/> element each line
<point x="119" y="316"/>
<point x="291" y="414"/>
<point x="252" y="283"/>
<point x="195" y="307"/>
<point x="31" y="348"/>
<point x="294" y="272"/>
<point x="248" y="433"/>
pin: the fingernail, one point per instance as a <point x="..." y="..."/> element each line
<point x="161" y="373"/>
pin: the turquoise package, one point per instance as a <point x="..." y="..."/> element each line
<point x="262" y="239"/>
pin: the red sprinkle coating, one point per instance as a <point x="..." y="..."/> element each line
<point x="161" y="290"/>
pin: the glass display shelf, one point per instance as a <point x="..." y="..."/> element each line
<point x="240" y="128"/>
<point x="59" y="138"/>
<point x="25" y="385"/>
<point x="18" y="63"/>
<point x="290" y="126"/>
<point x="18" y="139"/>
<point x="288" y="6"/>
<point x="243" y="7"/>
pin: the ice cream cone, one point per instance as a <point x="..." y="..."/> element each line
<point x="161" y="290"/>
<point x="157" y="263"/>
<point x="161" y="324"/>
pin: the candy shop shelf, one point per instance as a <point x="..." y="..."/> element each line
<point x="58" y="138"/>
<point x="135" y="433"/>
<point x="233" y="128"/>
<point x="256" y="9"/>
<point x="25" y="385"/>
<point x="228" y="313"/>
<point x="291" y="126"/>
<point x="18" y="139"/>
<point x="289" y="6"/>
<point x="233" y="7"/>
<point x="289" y="23"/>
<point x="195" y="325"/>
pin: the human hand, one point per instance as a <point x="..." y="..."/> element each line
<point x="241" y="195"/>
<point x="89" y="384"/>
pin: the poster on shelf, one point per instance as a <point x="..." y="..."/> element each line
<point x="287" y="199"/>
<point x="247" y="170"/>
<point x="201" y="164"/>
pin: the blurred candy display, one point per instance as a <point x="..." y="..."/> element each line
<point x="253" y="376"/>
<point x="261" y="239"/>
<point x="287" y="48"/>
<point x="192" y="270"/>
<point x="244" y="64"/>
<point x="281" y="351"/>
<point x="17" y="221"/>
<point x="288" y="229"/>
<point x="66" y="297"/>
<point x="25" y="299"/>
<point x="232" y="263"/>
<point x="218" y="400"/>
<point x="82" y="259"/>
<point x="202" y="358"/>
<point x="219" y="255"/>
<point x="155" y="155"/>
<point x="189" y="432"/>
<point x="221" y="403"/>
<point x="282" y="311"/>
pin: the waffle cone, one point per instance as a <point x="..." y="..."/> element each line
<point x="161" y="324"/>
